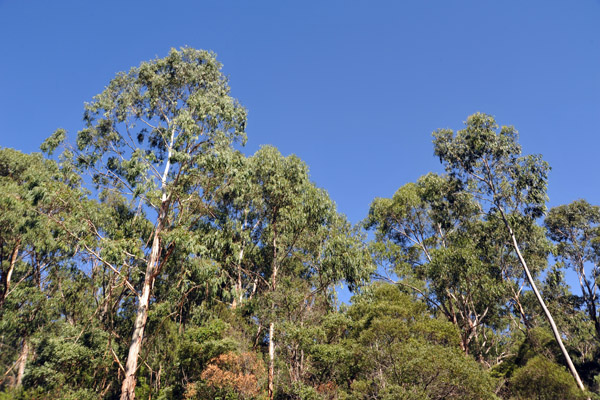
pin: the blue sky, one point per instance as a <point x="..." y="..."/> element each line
<point x="354" y="88"/>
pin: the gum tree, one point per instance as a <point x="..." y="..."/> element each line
<point x="147" y="136"/>
<point x="33" y="249"/>
<point x="300" y="238"/>
<point x="488" y="161"/>
<point x="575" y="227"/>
<point x="431" y="234"/>
<point x="281" y="243"/>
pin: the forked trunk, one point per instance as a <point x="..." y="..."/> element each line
<point x="521" y="310"/>
<point x="129" y="382"/>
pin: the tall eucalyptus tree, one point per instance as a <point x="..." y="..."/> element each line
<point x="36" y="253"/>
<point x="487" y="160"/>
<point x="300" y="236"/>
<point x="431" y="233"/>
<point x="146" y="138"/>
<point x="274" y="231"/>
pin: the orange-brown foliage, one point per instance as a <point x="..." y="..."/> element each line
<point x="242" y="373"/>
<point x="328" y="389"/>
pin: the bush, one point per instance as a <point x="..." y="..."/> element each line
<point x="542" y="379"/>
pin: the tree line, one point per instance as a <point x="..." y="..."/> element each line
<point x="151" y="259"/>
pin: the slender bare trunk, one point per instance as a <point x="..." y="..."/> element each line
<point x="271" y="359"/>
<point x="8" y="276"/>
<point x="239" y="282"/>
<point x="543" y="304"/>
<point x="301" y="363"/>
<point x="239" y="295"/>
<point x="128" y="386"/>
<point x="272" y="325"/>
<point x="22" y="362"/>
<point x="521" y="310"/>
<point x="254" y="287"/>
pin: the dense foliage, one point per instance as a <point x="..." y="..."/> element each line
<point x="151" y="259"/>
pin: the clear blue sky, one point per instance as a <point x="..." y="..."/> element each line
<point x="354" y="88"/>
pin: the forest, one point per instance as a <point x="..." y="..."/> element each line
<point x="149" y="258"/>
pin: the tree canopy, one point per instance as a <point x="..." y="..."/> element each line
<point x="151" y="258"/>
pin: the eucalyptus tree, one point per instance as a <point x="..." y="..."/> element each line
<point x="487" y="160"/>
<point x="32" y="247"/>
<point x="305" y="298"/>
<point x="26" y="181"/>
<point x="50" y="286"/>
<point x="146" y="137"/>
<point x="232" y="223"/>
<point x="293" y="234"/>
<point x="575" y="227"/>
<point x="431" y="233"/>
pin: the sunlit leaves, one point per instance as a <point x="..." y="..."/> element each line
<point x="487" y="160"/>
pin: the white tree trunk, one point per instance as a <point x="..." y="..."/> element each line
<point x="272" y="325"/>
<point x="540" y="300"/>
<point x="22" y="362"/>
<point x="128" y="387"/>
<point x="129" y="382"/>
<point x="271" y="359"/>
<point x="8" y="276"/>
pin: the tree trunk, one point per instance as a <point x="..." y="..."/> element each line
<point x="128" y="387"/>
<point x="272" y="325"/>
<point x="22" y="362"/>
<point x="543" y="304"/>
<point x="271" y="359"/>
<point x="521" y="310"/>
<point x="129" y="382"/>
<point x="8" y="275"/>
<point x="238" y="297"/>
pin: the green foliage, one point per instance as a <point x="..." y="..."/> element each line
<point x="176" y="109"/>
<point x="432" y="235"/>
<point x="36" y="255"/>
<point x="62" y="363"/>
<point x="487" y="159"/>
<point x="575" y="228"/>
<point x="540" y="378"/>
<point x="61" y="394"/>
<point x="398" y="351"/>
<point x="51" y="143"/>
<point x="239" y="254"/>
<point x="149" y="137"/>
